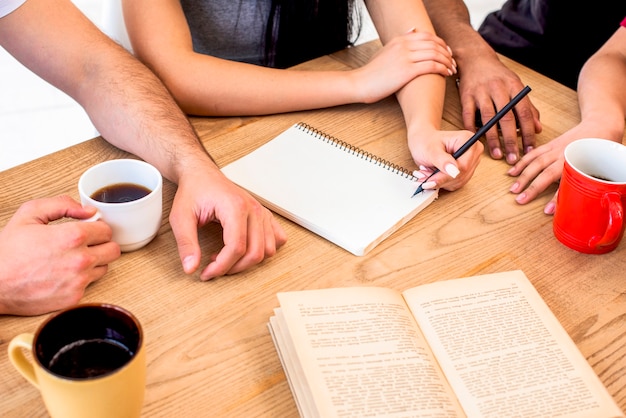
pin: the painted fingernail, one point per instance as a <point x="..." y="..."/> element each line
<point x="452" y="170"/>
<point x="429" y="185"/>
<point x="550" y="208"/>
<point x="514" y="188"/>
<point x="419" y="174"/>
<point x="496" y="153"/>
<point x="520" y="198"/>
<point x="511" y="158"/>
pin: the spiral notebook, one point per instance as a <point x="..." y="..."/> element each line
<point x="342" y="193"/>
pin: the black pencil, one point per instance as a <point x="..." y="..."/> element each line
<point x="480" y="132"/>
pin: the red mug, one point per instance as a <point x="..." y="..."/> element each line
<point x="589" y="215"/>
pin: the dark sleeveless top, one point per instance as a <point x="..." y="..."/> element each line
<point x="301" y="30"/>
<point x="229" y="29"/>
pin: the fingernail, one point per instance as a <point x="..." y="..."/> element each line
<point x="188" y="264"/>
<point x="550" y="208"/>
<point x="520" y="198"/>
<point x="452" y="170"/>
<point x="429" y="185"/>
<point x="515" y="187"/>
<point x="511" y="158"/>
<point x="529" y="149"/>
<point x="496" y="153"/>
<point x="450" y="72"/>
<point x="419" y="174"/>
<point x="449" y="49"/>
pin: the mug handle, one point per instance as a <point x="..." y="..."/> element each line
<point x="616" y="220"/>
<point x="16" y="354"/>
<point x="93" y="218"/>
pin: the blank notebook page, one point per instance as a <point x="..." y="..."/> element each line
<point x="339" y="192"/>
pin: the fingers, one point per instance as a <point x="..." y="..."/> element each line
<point x="551" y="206"/>
<point x="185" y="229"/>
<point x="428" y="48"/>
<point x="536" y="171"/>
<point x="489" y="94"/>
<point x="507" y="125"/>
<point x="249" y="246"/>
<point x="529" y="124"/>
<point x="453" y="173"/>
<point x="51" y="209"/>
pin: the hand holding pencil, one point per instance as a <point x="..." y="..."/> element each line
<point x="480" y="132"/>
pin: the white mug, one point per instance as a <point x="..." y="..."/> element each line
<point x="134" y="222"/>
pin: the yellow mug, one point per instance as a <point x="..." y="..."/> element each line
<point x="87" y="361"/>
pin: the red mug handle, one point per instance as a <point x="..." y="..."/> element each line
<point x="616" y="219"/>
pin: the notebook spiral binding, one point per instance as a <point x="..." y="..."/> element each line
<point x="395" y="168"/>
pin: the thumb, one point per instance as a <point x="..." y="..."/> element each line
<point x="53" y="208"/>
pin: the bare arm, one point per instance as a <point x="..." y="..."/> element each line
<point x="422" y="101"/>
<point x="602" y="88"/>
<point x="119" y="94"/>
<point x="484" y="81"/>
<point x="133" y="110"/>
<point x="602" y="101"/>
<point x="206" y="85"/>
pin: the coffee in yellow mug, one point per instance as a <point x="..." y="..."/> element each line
<point x="87" y="361"/>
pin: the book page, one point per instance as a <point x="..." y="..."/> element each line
<point x="292" y="368"/>
<point x="332" y="189"/>
<point x="504" y="352"/>
<point x="362" y="354"/>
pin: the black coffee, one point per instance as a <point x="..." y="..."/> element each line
<point x="120" y="193"/>
<point x="600" y="177"/>
<point x="89" y="358"/>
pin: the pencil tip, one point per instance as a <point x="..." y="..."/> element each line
<point x="418" y="191"/>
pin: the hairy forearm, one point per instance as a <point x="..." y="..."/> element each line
<point x="127" y="103"/>
<point x="133" y="111"/>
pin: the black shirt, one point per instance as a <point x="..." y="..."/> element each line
<point x="553" y="37"/>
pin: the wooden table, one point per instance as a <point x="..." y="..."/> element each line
<point x="209" y="352"/>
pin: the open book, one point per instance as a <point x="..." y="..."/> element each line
<point x="344" y="194"/>
<point x="484" y="346"/>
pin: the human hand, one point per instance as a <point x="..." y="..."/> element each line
<point x="251" y="233"/>
<point x="435" y="149"/>
<point x="45" y="267"/>
<point x="484" y="83"/>
<point x="542" y="166"/>
<point x="400" y="61"/>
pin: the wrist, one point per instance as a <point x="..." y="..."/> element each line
<point x="604" y="125"/>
